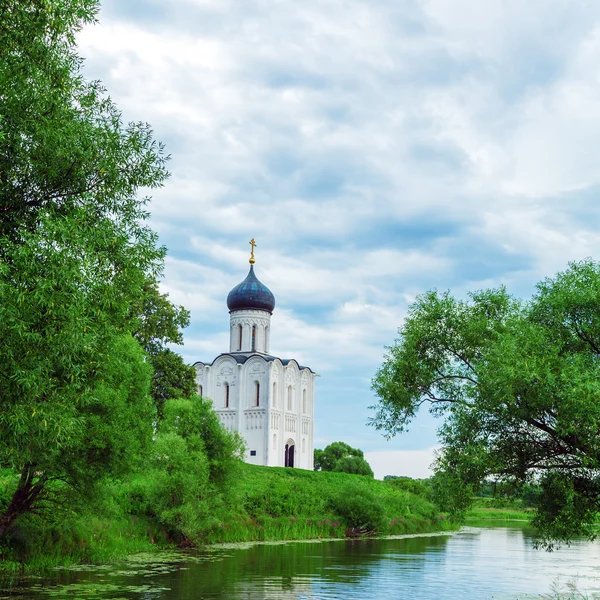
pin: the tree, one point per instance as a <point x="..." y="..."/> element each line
<point x="194" y="463"/>
<point x="63" y="145"/>
<point x="516" y="385"/>
<point x="341" y="457"/>
<point x="81" y="437"/>
<point x="159" y="322"/>
<point x="75" y="253"/>
<point x="172" y="378"/>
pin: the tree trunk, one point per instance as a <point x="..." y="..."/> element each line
<point x="23" y="499"/>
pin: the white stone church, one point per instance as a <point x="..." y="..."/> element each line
<point x="268" y="400"/>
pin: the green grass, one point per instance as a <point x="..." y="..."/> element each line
<point x="491" y="509"/>
<point x="569" y="591"/>
<point x="291" y="504"/>
<point x="38" y="546"/>
<point x="266" y="503"/>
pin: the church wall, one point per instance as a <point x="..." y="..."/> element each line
<point x="225" y="377"/>
<point x="220" y="383"/>
<point x="268" y="426"/>
<point x="201" y="379"/>
<point x="254" y="409"/>
<point x="275" y="424"/>
<point x="292" y="416"/>
<point x="249" y="319"/>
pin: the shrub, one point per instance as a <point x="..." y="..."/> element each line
<point x="414" y="486"/>
<point x="359" y="507"/>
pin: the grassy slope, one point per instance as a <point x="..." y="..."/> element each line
<point x="267" y="503"/>
<point x="488" y="509"/>
<point x="278" y="503"/>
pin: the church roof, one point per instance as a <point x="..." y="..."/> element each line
<point x="242" y="357"/>
<point x="251" y="294"/>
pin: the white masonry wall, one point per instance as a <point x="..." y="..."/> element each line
<point x="269" y="404"/>
<point x="242" y="323"/>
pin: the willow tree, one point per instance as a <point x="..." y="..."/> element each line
<point x="75" y="253"/>
<point x="516" y="386"/>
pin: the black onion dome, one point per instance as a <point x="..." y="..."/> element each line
<point x="251" y="294"/>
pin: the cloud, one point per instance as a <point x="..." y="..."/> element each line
<point x="406" y="463"/>
<point x="374" y="151"/>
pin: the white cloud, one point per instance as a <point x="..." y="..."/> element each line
<point x="374" y="150"/>
<point x="407" y="463"/>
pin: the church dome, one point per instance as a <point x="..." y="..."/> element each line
<point x="251" y="294"/>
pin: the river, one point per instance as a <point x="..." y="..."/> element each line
<point x="474" y="563"/>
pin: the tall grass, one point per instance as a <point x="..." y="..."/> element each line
<point x="569" y="591"/>
<point x="266" y="503"/>
<point x="291" y="504"/>
<point x="489" y="508"/>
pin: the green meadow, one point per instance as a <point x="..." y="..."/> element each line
<point x="260" y="504"/>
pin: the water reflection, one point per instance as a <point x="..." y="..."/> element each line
<point x="474" y="563"/>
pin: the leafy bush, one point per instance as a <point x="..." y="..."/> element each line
<point x="414" y="486"/>
<point x="342" y="458"/>
<point x="359" y="507"/>
<point x="355" y="465"/>
<point x="193" y="465"/>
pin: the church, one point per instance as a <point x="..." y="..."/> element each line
<point x="268" y="400"/>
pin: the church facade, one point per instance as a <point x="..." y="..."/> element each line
<point x="268" y="400"/>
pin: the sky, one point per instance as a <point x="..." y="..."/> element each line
<point x="374" y="150"/>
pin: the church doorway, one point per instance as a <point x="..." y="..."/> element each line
<point x="289" y="454"/>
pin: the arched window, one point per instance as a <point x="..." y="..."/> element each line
<point x="274" y="441"/>
<point x="274" y="400"/>
<point x="253" y="338"/>
<point x="266" y="339"/>
<point x="303" y="446"/>
<point x="226" y="395"/>
<point x="289" y="405"/>
<point x="304" y="401"/>
<point x="257" y="393"/>
<point x="239" y="337"/>
<point x="200" y="390"/>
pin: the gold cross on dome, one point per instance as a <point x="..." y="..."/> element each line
<point x="253" y="244"/>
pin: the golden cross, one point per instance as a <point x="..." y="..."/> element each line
<point x="253" y="244"/>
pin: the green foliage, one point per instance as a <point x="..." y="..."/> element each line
<point x="157" y="323"/>
<point x="354" y="464"/>
<point x="196" y="422"/>
<point x="192" y="470"/>
<point x="516" y="384"/>
<point x="341" y="457"/>
<point x="283" y="503"/>
<point x="75" y="255"/>
<point x="487" y="509"/>
<point x="172" y="491"/>
<point x="419" y="487"/>
<point x="359" y="507"/>
<point x="172" y="378"/>
<point x="259" y="503"/>
<point x="116" y="418"/>
<point x="63" y="145"/>
<point x="106" y="430"/>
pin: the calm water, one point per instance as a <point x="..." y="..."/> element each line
<point x="475" y="563"/>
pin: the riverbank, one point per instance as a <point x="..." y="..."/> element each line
<point x="265" y="504"/>
<point x="292" y="504"/>
<point x="486" y="509"/>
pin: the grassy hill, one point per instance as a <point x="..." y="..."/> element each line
<point x="279" y="503"/>
<point x="262" y="503"/>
